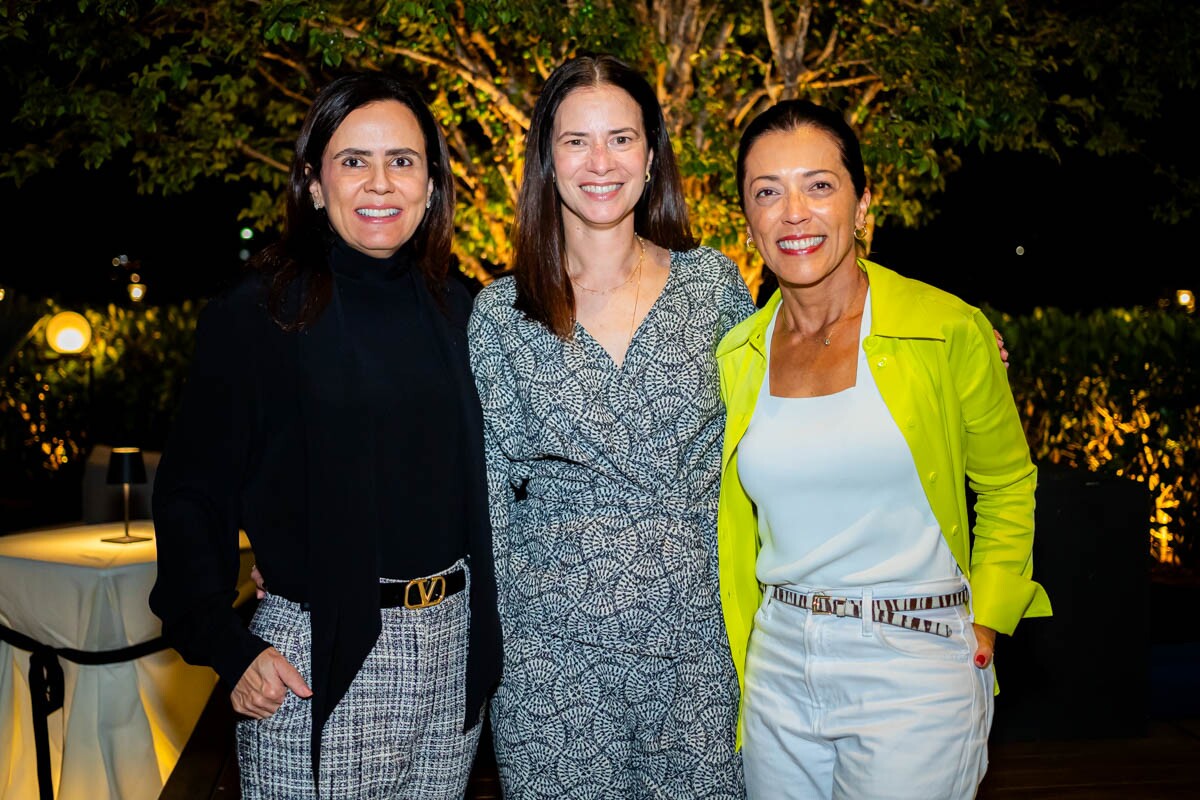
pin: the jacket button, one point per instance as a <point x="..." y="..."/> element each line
<point x="881" y="362"/>
<point x="933" y="477"/>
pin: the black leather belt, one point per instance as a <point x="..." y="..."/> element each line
<point x="422" y="592"/>
<point x="417" y="593"/>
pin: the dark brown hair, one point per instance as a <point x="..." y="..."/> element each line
<point x="295" y="267"/>
<point x="788" y="115"/>
<point x="539" y="262"/>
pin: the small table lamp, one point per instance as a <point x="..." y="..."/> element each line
<point x="125" y="466"/>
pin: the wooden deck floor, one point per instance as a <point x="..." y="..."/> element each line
<point x="1159" y="765"/>
<point x="1073" y="722"/>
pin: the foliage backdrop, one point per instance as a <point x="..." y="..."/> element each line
<point x="1117" y="392"/>
<point x="182" y="92"/>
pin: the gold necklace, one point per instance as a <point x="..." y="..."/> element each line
<point x="830" y="325"/>
<point x="637" y="295"/>
<point x="636" y="270"/>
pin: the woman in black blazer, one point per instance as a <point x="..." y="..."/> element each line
<point x="331" y="415"/>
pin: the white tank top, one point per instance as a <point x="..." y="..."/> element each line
<point x="839" y="500"/>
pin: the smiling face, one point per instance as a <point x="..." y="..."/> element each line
<point x="801" y="207"/>
<point x="374" y="178"/>
<point x="600" y="156"/>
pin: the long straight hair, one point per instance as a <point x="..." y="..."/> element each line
<point x="295" y="267"/>
<point x="544" y="291"/>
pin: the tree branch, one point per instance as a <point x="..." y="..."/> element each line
<point x="280" y="86"/>
<point x="488" y="88"/>
<point x="247" y="150"/>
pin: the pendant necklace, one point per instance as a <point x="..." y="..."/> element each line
<point x="830" y="325"/>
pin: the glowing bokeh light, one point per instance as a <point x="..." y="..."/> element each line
<point x="68" y="333"/>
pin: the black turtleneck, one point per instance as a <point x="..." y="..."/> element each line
<point x="350" y="451"/>
<point x="411" y="408"/>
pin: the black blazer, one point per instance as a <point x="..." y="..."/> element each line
<point x="265" y="442"/>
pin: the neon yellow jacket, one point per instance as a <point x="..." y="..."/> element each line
<point x="935" y="361"/>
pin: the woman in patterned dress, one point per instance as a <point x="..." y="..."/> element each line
<point x="594" y="364"/>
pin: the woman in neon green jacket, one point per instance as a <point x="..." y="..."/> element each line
<point x="861" y="610"/>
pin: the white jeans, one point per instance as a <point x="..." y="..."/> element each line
<point x="840" y="707"/>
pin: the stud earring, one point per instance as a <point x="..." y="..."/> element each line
<point x="428" y="202"/>
<point x="317" y="204"/>
<point x="749" y="242"/>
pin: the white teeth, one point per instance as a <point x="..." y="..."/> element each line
<point x="801" y="244"/>
<point x="605" y="189"/>
<point x="378" y="212"/>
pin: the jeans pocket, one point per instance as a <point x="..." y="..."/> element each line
<point x="958" y="646"/>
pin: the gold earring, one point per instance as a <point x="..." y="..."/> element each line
<point x="860" y="233"/>
<point x="647" y="174"/>
<point x="749" y="242"/>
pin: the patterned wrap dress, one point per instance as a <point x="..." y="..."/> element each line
<point x="603" y="485"/>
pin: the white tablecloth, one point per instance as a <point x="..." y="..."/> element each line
<point x="122" y="725"/>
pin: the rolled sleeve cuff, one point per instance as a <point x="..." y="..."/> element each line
<point x="1001" y="599"/>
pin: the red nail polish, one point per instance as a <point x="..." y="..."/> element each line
<point x="981" y="660"/>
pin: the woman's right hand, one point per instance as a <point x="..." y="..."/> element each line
<point x="1000" y="344"/>
<point x="263" y="686"/>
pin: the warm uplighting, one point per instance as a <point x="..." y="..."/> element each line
<point x="137" y="292"/>
<point x="1" y="292"/>
<point x="68" y="333"/>
<point x="1186" y="299"/>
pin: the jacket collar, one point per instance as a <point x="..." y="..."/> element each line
<point x="752" y="330"/>
<point x="898" y="305"/>
<point x="897" y="311"/>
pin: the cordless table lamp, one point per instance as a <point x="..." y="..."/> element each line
<point x="125" y="467"/>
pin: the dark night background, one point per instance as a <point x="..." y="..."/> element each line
<point x="1085" y="225"/>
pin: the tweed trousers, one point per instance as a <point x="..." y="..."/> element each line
<point x="396" y="734"/>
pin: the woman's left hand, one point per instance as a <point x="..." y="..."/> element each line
<point x="986" y="637"/>
<point x="260" y="590"/>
